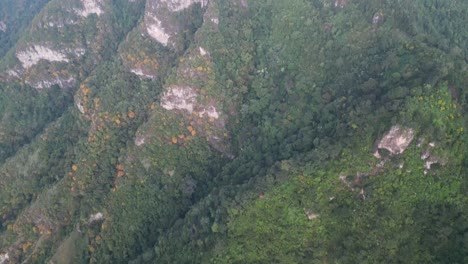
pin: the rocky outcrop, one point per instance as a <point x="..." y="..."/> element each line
<point x="159" y="18"/>
<point x="396" y="140"/>
<point x="179" y="97"/>
<point x="310" y="215"/>
<point x="56" y="80"/>
<point x="95" y="217"/>
<point x="184" y="98"/>
<point x="35" y="53"/>
<point x="89" y="7"/>
<point x="431" y="159"/>
<point x="156" y="30"/>
<point x="141" y="73"/>
<point x="179" y="5"/>
<point x="340" y="3"/>
<point x="4" y="258"/>
<point x="378" y="18"/>
<point x="3" y="26"/>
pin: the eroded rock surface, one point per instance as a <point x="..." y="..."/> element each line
<point x="179" y="97"/>
<point x="141" y="73"/>
<point x="310" y="215"/>
<point x="47" y="83"/>
<point x="340" y="3"/>
<point x="159" y="21"/>
<point x="179" y="5"/>
<point x="4" y="258"/>
<point x="3" y="26"/>
<point x="35" y="53"/>
<point x="156" y="30"/>
<point x="397" y="139"/>
<point x="95" y="217"/>
<point x="89" y="7"/>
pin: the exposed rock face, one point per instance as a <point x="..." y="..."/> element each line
<point x="95" y="217"/>
<point x="13" y="73"/>
<point x="178" y="5"/>
<point x="3" y="26"/>
<point x="139" y="140"/>
<point x="340" y="3"/>
<point x="179" y="97"/>
<point x="429" y="161"/>
<point x="156" y="30"/>
<point x="310" y="215"/>
<point x="89" y="7"/>
<point x="397" y="139"/>
<point x="158" y="18"/>
<point x="80" y="106"/>
<point x="4" y="258"/>
<point x="141" y="73"/>
<point x="210" y="112"/>
<point x="378" y="18"/>
<point x="35" y="53"/>
<point x="44" y="83"/>
<point x="184" y="98"/>
<point x="203" y="52"/>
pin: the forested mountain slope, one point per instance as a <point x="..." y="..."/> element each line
<point x="216" y="131"/>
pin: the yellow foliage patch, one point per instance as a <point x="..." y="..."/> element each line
<point x="174" y="140"/>
<point x="74" y="167"/>
<point x="131" y="114"/>
<point x="26" y="246"/>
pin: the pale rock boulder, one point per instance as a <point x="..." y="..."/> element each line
<point x="203" y="52"/>
<point x="340" y="3"/>
<point x="95" y="217"/>
<point x="139" y="140"/>
<point x="397" y="139"/>
<point x="429" y="161"/>
<point x="3" y="26"/>
<point x="89" y="7"/>
<point x="210" y="111"/>
<point x="79" y="104"/>
<point x="141" y="73"/>
<point x="4" y="258"/>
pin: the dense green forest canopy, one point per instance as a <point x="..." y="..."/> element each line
<point x="233" y="131"/>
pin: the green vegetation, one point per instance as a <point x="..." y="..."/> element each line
<point x="284" y="171"/>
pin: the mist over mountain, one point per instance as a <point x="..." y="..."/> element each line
<point x="233" y="131"/>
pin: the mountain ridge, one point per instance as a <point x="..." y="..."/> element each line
<point x="234" y="131"/>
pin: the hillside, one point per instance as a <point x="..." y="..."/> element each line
<point x="216" y="131"/>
